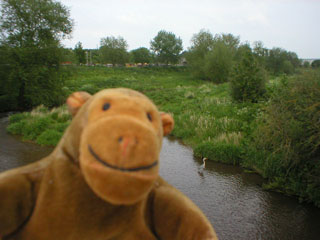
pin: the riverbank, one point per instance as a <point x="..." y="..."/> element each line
<point x="232" y="200"/>
<point x="206" y="119"/>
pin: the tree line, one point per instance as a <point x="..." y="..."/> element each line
<point x="165" y="48"/>
<point x="31" y="54"/>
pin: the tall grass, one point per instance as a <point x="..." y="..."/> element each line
<point x="41" y="125"/>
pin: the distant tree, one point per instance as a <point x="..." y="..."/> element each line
<point x="166" y="47"/>
<point x="80" y="53"/>
<point x="280" y="61"/>
<point x="114" y="50"/>
<point x="232" y="42"/>
<point x="242" y="50"/>
<point x="248" y="79"/>
<point x="260" y="52"/>
<point x="141" y="55"/>
<point x="306" y="64"/>
<point x="68" y="55"/>
<point x="202" y="41"/>
<point x="218" y="63"/>
<point x="315" y="64"/>
<point x="95" y="56"/>
<point x="30" y="32"/>
<point x="201" y="44"/>
<point x="211" y="58"/>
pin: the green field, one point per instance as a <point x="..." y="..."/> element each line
<point x="204" y="113"/>
<point x="205" y="116"/>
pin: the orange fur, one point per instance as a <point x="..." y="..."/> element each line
<point x="101" y="181"/>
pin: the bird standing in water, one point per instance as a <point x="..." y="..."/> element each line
<point x="204" y="162"/>
<point x="202" y="167"/>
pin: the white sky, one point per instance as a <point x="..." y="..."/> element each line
<point x="289" y="24"/>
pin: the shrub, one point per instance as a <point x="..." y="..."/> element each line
<point x="289" y="133"/>
<point x="49" y="137"/>
<point x="248" y="80"/>
<point x="17" y="117"/>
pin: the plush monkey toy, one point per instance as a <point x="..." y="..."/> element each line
<point x="101" y="182"/>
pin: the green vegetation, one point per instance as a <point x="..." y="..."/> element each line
<point x="166" y="47"/>
<point x="285" y="144"/>
<point x="41" y="125"/>
<point x="29" y="39"/>
<point x="315" y="64"/>
<point x="113" y="50"/>
<point x="248" y="80"/>
<point x="212" y="57"/>
<point x="279" y="137"/>
<point x="141" y="55"/>
<point x="271" y="127"/>
<point x="80" y="53"/>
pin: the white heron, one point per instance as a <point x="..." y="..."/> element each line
<point x="204" y="163"/>
<point x="202" y="167"/>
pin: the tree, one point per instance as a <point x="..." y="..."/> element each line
<point x="260" y="52"/>
<point x="80" y="53"/>
<point x="218" y="63"/>
<point x="202" y="43"/>
<point x="315" y="63"/>
<point x="141" y="55"/>
<point x="114" y="50"/>
<point x="211" y="58"/>
<point x="68" y="56"/>
<point x="29" y="23"/>
<point x="167" y="47"/>
<point x="30" y="32"/>
<point x="229" y="40"/>
<point x="248" y="79"/>
<point x="280" y="61"/>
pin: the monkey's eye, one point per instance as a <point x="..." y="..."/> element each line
<point x="106" y="106"/>
<point x="149" y="117"/>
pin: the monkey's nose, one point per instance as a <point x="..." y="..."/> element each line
<point x="127" y="143"/>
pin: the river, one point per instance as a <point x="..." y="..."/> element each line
<point x="233" y="200"/>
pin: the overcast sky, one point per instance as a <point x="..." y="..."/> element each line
<point x="289" y="24"/>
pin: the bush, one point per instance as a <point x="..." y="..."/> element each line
<point x="34" y="78"/>
<point x="40" y="125"/>
<point x="289" y="134"/>
<point x="49" y="137"/>
<point x="248" y="80"/>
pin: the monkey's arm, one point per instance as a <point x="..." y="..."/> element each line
<point x="16" y="201"/>
<point x="176" y="217"/>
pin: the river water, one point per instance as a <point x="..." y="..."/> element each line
<point x="233" y="201"/>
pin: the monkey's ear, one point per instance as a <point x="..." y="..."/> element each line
<point x="167" y="123"/>
<point x="76" y="100"/>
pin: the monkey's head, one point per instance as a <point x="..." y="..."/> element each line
<point x="121" y="133"/>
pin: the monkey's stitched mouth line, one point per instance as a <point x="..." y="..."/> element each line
<point x="120" y="168"/>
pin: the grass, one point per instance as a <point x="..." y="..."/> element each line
<point x="205" y="118"/>
<point x="41" y="125"/>
<point x="204" y="114"/>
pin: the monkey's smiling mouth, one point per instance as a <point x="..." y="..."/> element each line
<point x="135" y="169"/>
